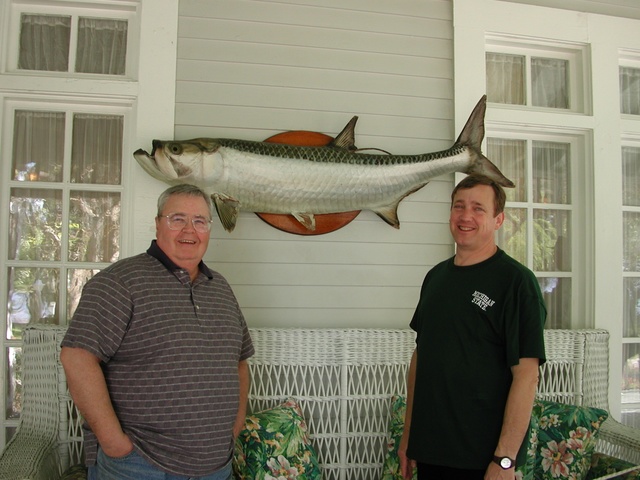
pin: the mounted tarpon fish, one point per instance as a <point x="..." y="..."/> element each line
<point x="306" y="180"/>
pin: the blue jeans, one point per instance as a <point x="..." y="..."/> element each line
<point x="134" y="467"/>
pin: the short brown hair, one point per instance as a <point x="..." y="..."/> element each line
<point x="470" y="181"/>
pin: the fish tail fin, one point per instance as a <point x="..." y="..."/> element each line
<point x="471" y="137"/>
<point x="473" y="132"/>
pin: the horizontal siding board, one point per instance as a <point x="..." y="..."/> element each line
<point x="218" y="73"/>
<point x="283" y="119"/>
<point x="293" y="296"/>
<point x="403" y="42"/>
<point x="316" y="58"/>
<point x="410" y="17"/>
<point x="330" y="317"/>
<point x="309" y="251"/>
<point x="203" y="94"/>
<point x="318" y="275"/>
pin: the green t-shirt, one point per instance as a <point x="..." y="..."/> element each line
<point x="473" y="324"/>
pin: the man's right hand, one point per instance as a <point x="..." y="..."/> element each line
<point x="117" y="447"/>
<point x="406" y="464"/>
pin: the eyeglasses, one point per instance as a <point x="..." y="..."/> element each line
<point x="177" y="221"/>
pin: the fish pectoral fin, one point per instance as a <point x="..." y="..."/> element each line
<point x="389" y="214"/>
<point x="228" y="209"/>
<point x="308" y="220"/>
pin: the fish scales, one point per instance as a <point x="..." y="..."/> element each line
<point x="332" y="154"/>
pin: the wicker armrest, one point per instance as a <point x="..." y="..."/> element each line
<point x="619" y="441"/>
<point x="29" y="456"/>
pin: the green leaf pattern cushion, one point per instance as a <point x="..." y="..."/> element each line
<point x="566" y="437"/>
<point x="602" y="465"/>
<point x="391" y="467"/>
<point x="274" y="445"/>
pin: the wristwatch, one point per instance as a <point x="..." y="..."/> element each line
<point x="505" y="462"/>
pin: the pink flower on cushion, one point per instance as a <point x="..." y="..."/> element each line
<point x="281" y="469"/>
<point x="556" y="459"/>
<point x="578" y="437"/>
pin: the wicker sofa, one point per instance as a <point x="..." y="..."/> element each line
<point x="343" y="380"/>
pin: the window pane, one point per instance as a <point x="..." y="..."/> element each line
<point x="551" y="249"/>
<point x="512" y="236"/>
<point x="33" y="297"/>
<point x="94" y="226"/>
<point x="14" y="382"/>
<point x="35" y="224"/>
<point x="631" y="176"/>
<point x="76" y="280"/>
<point x="630" y="90"/>
<point x="505" y="78"/>
<point x="510" y="157"/>
<point x="557" y="297"/>
<point x="549" y="82"/>
<point x="44" y="42"/>
<point x="631" y="303"/>
<point x="38" y="146"/>
<point x="631" y="373"/>
<point x="102" y="46"/>
<point x="96" y="154"/>
<point x="631" y="241"/>
<point x="551" y="172"/>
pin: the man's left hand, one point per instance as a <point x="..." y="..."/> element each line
<point x="496" y="472"/>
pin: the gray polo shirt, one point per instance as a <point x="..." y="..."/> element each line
<point x="170" y="351"/>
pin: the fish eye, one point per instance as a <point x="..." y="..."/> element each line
<point x="175" y="148"/>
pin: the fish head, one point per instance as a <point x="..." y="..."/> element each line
<point x="183" y="161"/>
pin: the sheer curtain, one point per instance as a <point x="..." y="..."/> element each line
<point x="630" y="90"/>
<point x="45" y="44"/>
<point x="507" y="80"/>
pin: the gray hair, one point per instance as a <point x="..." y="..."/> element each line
<point x="184" y="189"/>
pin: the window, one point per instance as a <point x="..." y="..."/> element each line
<point x="538" y="231"/>
<point x="535" y="74"/>
<point x="630" y="90"/>
<point x="53" y="37"/>
<point x="63" y="162"/>
<point x="631" y="279"/>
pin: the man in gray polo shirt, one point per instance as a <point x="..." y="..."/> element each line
<point x="156" y="356"/>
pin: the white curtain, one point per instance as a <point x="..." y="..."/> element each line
<point x="506" y="80"/>
<point x="45" y="44"/>
<point x="630" y="90"/>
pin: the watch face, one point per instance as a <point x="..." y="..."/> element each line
<point x="505" y="462"/>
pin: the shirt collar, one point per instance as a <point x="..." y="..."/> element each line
<point x="156" y="252"/>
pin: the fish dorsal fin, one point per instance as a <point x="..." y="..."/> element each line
<point x="473" y="131"/>
<point x="228" y="209"/>
<point x="308" y="220"/>
<point x="347" y="137"/>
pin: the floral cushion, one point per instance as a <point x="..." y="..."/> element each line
<point x="76" y="472"/>
<point x="274" y="445"/>
<point x="565" y="437"/>
<point x="602" y="465"/>
<point x="391" y="467"/>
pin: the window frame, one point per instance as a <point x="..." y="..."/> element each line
<point x="125" y="10"/>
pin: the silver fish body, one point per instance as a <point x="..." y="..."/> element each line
<point x="303" y="181"/>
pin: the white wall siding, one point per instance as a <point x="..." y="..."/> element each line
<point x="250" y="69"/>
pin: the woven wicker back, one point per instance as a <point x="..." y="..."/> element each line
<point x="577" y="367"/>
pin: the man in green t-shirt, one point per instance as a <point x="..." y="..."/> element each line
<point x="474" y="372"/>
